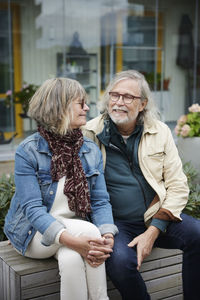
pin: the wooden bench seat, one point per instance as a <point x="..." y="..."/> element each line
<point x="25" y="278"/>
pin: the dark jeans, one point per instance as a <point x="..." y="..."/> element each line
<point x="121" y="266"/>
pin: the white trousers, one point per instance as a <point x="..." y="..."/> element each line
<point x="79" y="281"/>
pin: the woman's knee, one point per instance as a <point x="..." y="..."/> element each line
<point x="90" y="230"/>
<point x="69" y="261"/>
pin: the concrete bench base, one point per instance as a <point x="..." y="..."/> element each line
<point x="24" y="278"/>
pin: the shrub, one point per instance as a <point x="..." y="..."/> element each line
<point x="7" y="189"/>
<point x="193" y="206"/>
<point x="189" y="125"/>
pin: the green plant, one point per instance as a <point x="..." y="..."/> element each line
<point x="150" y="78"/>
<point x="189" y="125"/>
<point x="7" y="189"/>
<point x="21" y="97"/>
<point x="193" y="206"/>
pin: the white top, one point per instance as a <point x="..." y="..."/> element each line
<point x="60" y="208"/>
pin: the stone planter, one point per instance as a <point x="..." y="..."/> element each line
<point x="189" y="151"/>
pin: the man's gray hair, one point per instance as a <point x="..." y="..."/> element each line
<point x="50" y="106"/>
<point x="150" y="112"/>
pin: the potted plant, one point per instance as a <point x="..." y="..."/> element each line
<point x="188" y="132"/>
<point x="159" y="84"/>
<point x="21" y="97"/>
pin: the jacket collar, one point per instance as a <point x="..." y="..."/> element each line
<point x="96" y="125"/>
<point x="104" y="135"/>
<point x="43" y="147"/>
<point x="150" y="126"/>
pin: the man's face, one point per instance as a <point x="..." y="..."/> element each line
<point x="122" y="113"/>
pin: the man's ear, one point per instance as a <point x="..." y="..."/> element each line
<point x="143" y="104"/>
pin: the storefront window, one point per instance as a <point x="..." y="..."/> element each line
<point x="90" y="41"/>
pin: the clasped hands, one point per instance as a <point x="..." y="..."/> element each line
<point x="100" y="250"/>
<point x="94" y="250"/>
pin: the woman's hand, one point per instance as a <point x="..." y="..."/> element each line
<point x="144" y="243"/>
<point x="85" y="245"/>
<point x="97" y="257"/>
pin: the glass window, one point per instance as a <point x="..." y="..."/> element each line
<point x="90" y="41"/>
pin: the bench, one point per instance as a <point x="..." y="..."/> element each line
<point x="25" y="278"/>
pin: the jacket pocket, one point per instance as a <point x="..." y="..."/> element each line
<point x="44" y="180"/>
<point x="155" y="162"/>
<point x="44" y="177"/>
<point x="19" y="227"/>
<point x="91" y="178"/>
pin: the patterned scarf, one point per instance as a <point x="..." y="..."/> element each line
<point x="66" y="162"/>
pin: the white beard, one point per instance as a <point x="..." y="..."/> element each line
<point x="119" y="121"/>
<point x="123" y="120"/>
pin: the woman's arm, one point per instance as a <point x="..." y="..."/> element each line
<point x="28" y="194"/>
<point x="101" y="214"/>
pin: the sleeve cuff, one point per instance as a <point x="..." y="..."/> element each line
<point x="160" y="224"/>
<point x="50" y="233"/>
<point x="108" y="228"/>
<point x="57" y="238"/>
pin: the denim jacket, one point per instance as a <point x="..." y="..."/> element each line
<point x="35" y="193"/>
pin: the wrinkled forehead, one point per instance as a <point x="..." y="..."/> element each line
<point x="127" y="85"/>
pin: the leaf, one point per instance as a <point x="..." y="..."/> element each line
<point x="7" y="189"/>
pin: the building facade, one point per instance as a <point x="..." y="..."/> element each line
<point x="90" y="40"/>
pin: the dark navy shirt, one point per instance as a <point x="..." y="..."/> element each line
<point x="130" y="193"/>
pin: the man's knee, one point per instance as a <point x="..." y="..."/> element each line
<point x="188" y="231"/>
<point x="121" y="263"/>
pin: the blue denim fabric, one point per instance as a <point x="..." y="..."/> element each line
<point x="35" y="193"/>
<point x="121" y="266"/>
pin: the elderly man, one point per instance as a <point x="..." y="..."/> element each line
<point x="148" y="189"/>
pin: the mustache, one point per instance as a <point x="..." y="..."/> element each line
<point x="123" y="108"/>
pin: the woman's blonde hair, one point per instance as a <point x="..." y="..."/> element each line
<point x="50" y="105"/>
<point x="150" y="112"/>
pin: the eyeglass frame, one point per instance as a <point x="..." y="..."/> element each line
<point x="82" y="103"/>
<point x="123" y="95"/>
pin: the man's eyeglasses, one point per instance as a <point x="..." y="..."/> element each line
<point x="127" y="98"/>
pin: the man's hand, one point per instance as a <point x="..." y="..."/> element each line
<point x="144" y="243"/>
<point x="98" y="257"/>
<point x="109" y="240"/>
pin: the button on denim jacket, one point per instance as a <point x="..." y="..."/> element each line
<point x="35" y="193"/>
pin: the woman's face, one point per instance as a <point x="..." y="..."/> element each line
<point x="78" y="114"/>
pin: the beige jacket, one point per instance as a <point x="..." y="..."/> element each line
<point x="160" y="165"/>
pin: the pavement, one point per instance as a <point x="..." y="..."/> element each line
<point x="7" y="156"/>
<point x="6" y="167"/>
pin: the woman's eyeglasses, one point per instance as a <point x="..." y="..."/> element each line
<point x="127" y="98"/>
<point x="82" y="103"/>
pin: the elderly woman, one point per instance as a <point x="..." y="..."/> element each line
<point x="60" y="187"/>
